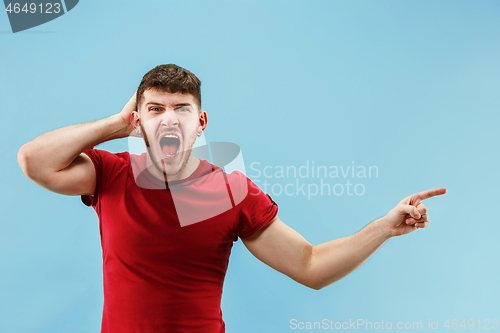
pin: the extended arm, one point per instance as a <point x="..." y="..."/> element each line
<point x="284" y="249"/>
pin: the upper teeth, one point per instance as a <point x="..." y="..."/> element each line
<point x="170" y="136"/>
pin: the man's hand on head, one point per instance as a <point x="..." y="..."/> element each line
<point x="126" y="114"/>
<point x="410" y="214"/>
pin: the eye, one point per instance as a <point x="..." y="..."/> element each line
<point x="154" y="109"/>
<point x="182" y="109"/>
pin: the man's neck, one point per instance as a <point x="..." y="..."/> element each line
<point x="183" y="173"/>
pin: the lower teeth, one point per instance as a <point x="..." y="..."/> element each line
<point x="167" y="155"/>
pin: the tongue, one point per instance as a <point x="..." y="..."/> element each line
<point x="170" y="149"/>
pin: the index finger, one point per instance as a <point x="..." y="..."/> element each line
<point x="430" y="193"/>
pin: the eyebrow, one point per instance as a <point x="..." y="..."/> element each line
<point x="175" y="105"/>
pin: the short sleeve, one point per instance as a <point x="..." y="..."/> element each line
<point x="97" y="161"/>
<point x="106" y="166"/>
<point x="257" y="210"/>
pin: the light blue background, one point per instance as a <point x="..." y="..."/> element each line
<point x="408" y="86"/>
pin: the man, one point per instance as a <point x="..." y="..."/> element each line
<point x="168" y="219"/>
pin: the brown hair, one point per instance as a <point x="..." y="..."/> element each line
<point x="170" y="78"/>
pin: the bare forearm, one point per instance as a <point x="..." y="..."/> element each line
<point x="284" y="249"/>
<point x="333" y="260"/>
<point x="55" y="150"/>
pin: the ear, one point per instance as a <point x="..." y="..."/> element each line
<point x="135" y="121"/>
<point x="203" y="121"/>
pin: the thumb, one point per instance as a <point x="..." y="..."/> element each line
<point x="411" y="210"/>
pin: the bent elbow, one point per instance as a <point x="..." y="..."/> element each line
<point x="312" y="281"/>
<point x="315" y="286"/>
<point x="26" y="162"/>
<point x="22" y="159"/>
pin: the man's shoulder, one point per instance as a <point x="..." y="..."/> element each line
<point x="125" y="155"/>
<point x="230" y="174"/>
<point x="234" y="180"/>
<point x="108" y="160"/>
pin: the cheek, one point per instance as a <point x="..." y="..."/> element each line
<point x="150" y="126"/>
<point x="189" y="128"/>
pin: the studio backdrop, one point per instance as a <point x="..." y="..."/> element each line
<point x="336" y="109"/>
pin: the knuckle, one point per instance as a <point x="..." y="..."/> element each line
<point x="422" y="209"/>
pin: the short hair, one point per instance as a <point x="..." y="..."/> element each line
<point x="170" y="78"/>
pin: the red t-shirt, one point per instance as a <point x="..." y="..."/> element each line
<point x="166" y="247"/>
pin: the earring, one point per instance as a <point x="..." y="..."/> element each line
<point x="199" y="134"/>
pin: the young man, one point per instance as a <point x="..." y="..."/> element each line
<point x="168" y="219"/>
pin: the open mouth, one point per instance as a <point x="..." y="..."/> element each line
<point x="170" y="144"/>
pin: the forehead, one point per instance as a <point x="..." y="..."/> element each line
<point x="166" y="98"/>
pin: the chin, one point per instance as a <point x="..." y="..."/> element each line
<point x="169" y="169"/>
<point x="172" y="167"/>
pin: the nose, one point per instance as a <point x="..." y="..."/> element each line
<point x="169" y="118"/>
